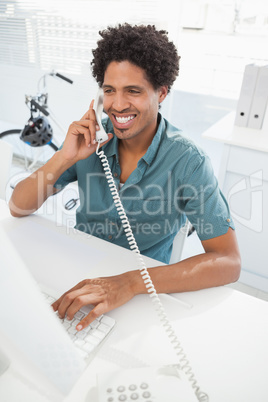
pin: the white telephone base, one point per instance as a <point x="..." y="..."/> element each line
<point x="148" y="384"/>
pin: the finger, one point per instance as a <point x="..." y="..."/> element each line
<point x="78" y="129"/>
<point x="56" y="304"/>
<point x="79" y="300"/>
<point x="94" y="313"/>
<point x="92" y="127"/>
<point x="72" y="302"/>
<point x="86" y="115"/>
<point x="91" y="123"/>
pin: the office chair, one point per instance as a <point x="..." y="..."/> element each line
<point x="178" y="243"/>
<point x="6" y="153"/>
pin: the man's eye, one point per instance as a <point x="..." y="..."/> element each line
<point x="134" y="91"/>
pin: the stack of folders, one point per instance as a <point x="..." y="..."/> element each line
<point x="253" y="99"/>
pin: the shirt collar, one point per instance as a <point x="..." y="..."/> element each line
<point x="153" y="148"/>
<point x="111" y="148"/>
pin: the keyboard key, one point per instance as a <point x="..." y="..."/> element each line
<point x="88" y="347"/>
<point x="86" y="309"/>
<point x="90" y="337"/>
<point x="79" y="342"/>
<point x="93" y="340"/>
<point x="87" y="329"/>
<point x="104" y="328"/>
<point x="65" y="324"/>
<point x="99" y="334"/>
<point x="72" y="330"/>
<point x="107" y="320"/>
<point x="94" y="324"/>
<point x="72" y="337"/>
<point x="74" y="322"/>
<point x="81" y="334"/>
<point x="79" y="315"/>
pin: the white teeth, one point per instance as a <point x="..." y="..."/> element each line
<point x="124" y="119"/>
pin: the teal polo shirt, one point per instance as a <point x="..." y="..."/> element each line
<point x="172" y="181"/>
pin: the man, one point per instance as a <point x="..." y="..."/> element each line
<point x="162" y="177"/>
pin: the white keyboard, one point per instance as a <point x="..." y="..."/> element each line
<point x="90" y="338"/>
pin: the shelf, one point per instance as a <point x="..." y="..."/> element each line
<point x="225" y="131"/>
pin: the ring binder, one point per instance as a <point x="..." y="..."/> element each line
<point x="260" y="98"/>
<point x="246" y="95"/>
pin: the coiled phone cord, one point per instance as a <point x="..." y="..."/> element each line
<point x="184" y="363"/>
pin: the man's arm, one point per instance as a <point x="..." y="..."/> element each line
<point x="219" y="265"/>
<point x="32" y="192"/>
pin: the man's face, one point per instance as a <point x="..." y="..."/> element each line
<point x="130" y="100"/>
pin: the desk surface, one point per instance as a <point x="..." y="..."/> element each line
<point x="223" y="332"/>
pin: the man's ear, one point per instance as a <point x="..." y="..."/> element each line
<point x="163" y="91"/>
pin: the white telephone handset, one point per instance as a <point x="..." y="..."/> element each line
<point x="101" y="135"/>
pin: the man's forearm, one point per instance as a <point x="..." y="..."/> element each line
<point x="198" y="272"/>
<point x="30" y="193"/>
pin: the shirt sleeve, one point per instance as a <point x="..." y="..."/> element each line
<point x="204" y="204"/>
<point x="67" y="177"/>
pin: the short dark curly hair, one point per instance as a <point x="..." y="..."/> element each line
<point x="143" y="46"/>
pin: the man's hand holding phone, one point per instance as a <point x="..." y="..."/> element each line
<point x="80" y="141"/>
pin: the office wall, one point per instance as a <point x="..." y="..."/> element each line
<point x="215" y="42"/>
<point x="36" y="37"/>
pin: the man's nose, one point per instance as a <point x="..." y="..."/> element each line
<point x="120" y="102"/>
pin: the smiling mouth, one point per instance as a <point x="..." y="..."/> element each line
<point x="123" y="120"/>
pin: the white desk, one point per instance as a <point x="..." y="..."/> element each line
<point x="224" y="332"/>
<point x="243" y="178"/>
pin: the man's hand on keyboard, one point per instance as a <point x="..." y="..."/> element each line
<point x="104" y="293"/>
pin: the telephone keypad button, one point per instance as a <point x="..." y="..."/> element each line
<point x="121" y="388"/>
<point x="129" y="393"/>
<point x="144" y="385"/>
<point x="146" y="394"/>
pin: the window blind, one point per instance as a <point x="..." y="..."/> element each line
<point x="61" y="34"/>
